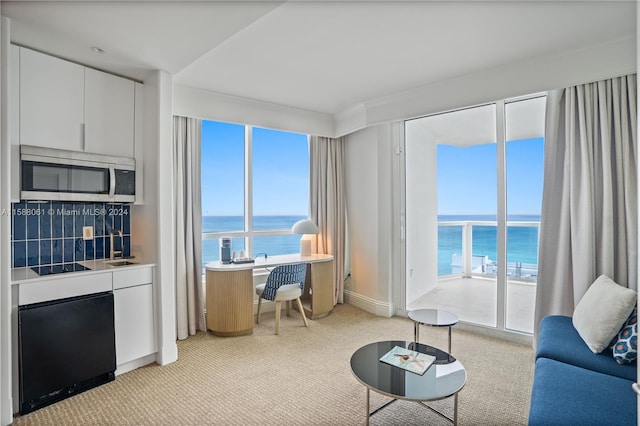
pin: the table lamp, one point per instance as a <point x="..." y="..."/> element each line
<point x="306" y="228"/>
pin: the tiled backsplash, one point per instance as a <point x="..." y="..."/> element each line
<point x="51" y="232"/>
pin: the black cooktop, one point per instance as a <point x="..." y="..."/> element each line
<point x="59" y="269"/>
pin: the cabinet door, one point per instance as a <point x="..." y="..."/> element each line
<point x="109" y="114"/>
<point x="134" y="323"/>
<point x="51" y="101"/>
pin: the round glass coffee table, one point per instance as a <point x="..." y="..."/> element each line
<point x="434" y="318"/>
<point x="444" y="378"/>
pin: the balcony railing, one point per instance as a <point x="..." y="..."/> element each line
<point x="462" y="254"/>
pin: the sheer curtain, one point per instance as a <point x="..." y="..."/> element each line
<point x="186" y="164"/>
<point x="328" y="204"/>
<point x="589" y="206"/>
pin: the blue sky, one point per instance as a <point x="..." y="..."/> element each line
<point x="467" y="178"/>
<point x="280" y="172"/>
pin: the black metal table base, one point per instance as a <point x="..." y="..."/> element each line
<point x="453" y="420"/>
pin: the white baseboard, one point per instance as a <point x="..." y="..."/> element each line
<point x="376" y="307"/>
<point x="136" y="363"/>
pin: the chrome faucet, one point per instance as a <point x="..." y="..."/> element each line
<point x="113" y="253"/>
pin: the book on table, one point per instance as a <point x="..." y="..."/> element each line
<point x="413" y="361"/>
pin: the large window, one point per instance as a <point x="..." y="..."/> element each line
<point x="255" y="186"/>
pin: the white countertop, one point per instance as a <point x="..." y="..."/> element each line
<point x="262" y="262"/>
<point x="21" y="275"/>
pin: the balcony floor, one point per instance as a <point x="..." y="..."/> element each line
<point x="474" y="301"/>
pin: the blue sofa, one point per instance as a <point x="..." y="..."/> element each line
<point x="574" y="386"/>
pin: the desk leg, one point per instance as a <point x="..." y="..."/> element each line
<point x="449" y="340"/>
<point x="367" y="412"/>
<point x="416" y="331"/>
<point x="455" y="409"/>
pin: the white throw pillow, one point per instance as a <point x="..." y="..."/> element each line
<point x="602" y="312"/>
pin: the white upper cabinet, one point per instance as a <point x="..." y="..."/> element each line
<point x="51" y="101"/>
<point x="68" y="106"/>
<point x="109" y="114"/>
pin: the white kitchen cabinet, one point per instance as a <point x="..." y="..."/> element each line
<point x="68" y="106"/>
<point x="51" y="101"/>
<point x="134" y="314"/>
<point x="109" y="114"/>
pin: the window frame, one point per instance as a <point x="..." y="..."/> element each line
<point x="248" y="234"/>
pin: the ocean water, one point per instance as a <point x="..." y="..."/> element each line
<point x="522" y="242"/>
<point x="271" y="245"/>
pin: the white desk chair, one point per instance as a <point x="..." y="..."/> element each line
<point x="284" y="284"/>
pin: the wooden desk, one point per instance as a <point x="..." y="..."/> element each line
<point x="230" y="291"/>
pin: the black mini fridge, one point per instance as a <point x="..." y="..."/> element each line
<point x="66" y="346"/>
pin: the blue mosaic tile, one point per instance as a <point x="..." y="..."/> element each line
<point x="45" y="221"/>
<point x="89" y="253"/>
<point x="33" y="253"/>
<point x="19" y="254"/>
<point x="54" y="234"/>
<point x="19" y="224"/>
<point x="56" y="220"/>
<point x="68" y="249"/>
<point x="99" y="248"/>
<point x="33" y="227"/>
<point x="56" y="251"/>
<point x="79" y="249"/>
<point x="45" y="252"/>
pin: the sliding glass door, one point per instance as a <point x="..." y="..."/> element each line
<point x="473" y="195"/>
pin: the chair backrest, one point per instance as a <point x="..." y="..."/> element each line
<point x="284" y="274"/>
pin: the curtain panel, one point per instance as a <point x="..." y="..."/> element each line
<point x="188" y="213"/>
<point x="589" y="223"/>
<point x="328" y="203"/>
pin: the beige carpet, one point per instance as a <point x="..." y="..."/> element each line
<point x="300" y="377"/>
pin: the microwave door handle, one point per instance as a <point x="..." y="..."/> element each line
<point x="112" y="182"/>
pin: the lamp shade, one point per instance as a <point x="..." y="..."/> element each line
<point x="304" y="226"/>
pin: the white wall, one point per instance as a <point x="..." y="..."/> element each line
<point x="199" y="103"/>
<point x="368" y="159"/>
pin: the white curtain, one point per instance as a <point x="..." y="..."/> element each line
<point x="589" y="206"/>
<point x="328" y="203"/>
<point x="188" y="213"/>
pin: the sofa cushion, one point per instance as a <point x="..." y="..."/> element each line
<point x="559" y="340"/>
<point x="625" y="350"/>
<point x="602" y="311"/>
<point x="564" y="394"/>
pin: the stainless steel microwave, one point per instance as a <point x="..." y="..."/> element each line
<point x="56" y="174"/>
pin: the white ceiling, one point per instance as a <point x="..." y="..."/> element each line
<point x="323" y="56"/>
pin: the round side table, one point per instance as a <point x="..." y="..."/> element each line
<point x="434" y="318"/>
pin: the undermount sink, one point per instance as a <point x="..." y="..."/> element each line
<point x="120" y="263"/>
